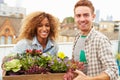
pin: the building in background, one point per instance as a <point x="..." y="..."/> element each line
<point x="10" y="22"/>
<point x="69" y="29"/>
<point x="109" y="18"/>
<point x="6" y="10"/>
<point x="1" y="1"/>
<point x="97" y="16"/>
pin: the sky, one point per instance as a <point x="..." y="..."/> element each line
<point x="64" y="8"/>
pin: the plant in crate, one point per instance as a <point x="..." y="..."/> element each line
<point x="31" y="62"/>
<point x="36" y="62"/>
<point x="59" y="63"/>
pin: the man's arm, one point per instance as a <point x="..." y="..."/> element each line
<point x="82" y="76"/>
<point x="102" y="76"/>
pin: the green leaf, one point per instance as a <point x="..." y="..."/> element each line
<point x="13" y="65"/>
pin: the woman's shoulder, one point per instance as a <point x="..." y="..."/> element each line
<point x="54" y="42"/>
<point x="55" y="47"/>
<point x="21" y="46"/>
<point x="24" y="42"/>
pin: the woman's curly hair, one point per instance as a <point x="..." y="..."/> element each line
<point x="29" y="25"/>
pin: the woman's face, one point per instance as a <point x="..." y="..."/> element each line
<point x="43" y="29"/>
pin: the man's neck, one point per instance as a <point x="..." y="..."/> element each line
<point x="85" y="32"/>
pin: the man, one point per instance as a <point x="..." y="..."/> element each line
<point x="94" y="45"/>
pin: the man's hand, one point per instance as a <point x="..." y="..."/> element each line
<point x="81" y="76"/>
<point x="69" y="75"/>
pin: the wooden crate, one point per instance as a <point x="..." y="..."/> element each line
<point x="50" y="76"/>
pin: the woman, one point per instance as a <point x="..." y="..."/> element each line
<point x="39" y="31"/>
